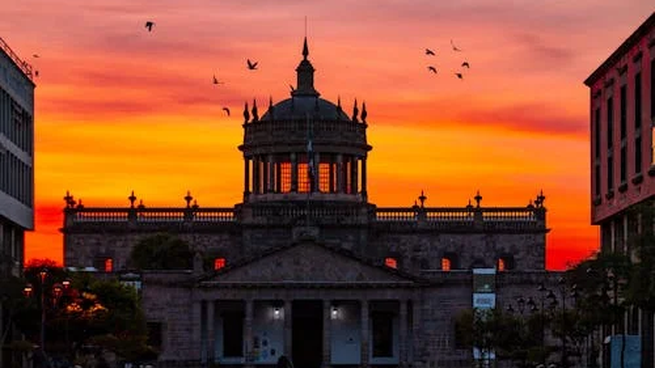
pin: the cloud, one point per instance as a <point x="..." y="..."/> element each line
<point x="528" y="117"/>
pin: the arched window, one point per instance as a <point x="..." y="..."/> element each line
<point x="446" y="264"/>
<point x="391" y="262"/>
<point x="501" y="265"/>
<point x="109" y="265"/>
<point x="219" y="263"/>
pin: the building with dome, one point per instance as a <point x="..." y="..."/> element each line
<point x="306" y="266"/>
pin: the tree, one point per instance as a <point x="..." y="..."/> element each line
<point x="90" y="312"/>
<point x="162" y="252"/>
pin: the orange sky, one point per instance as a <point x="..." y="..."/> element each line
<point x="118" y="108"/>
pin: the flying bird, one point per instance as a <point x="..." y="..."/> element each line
<point x="429" y="52"/>
<point x="466" y="65"/>
<point x="454" y="47"/>
<point x="251" y="65"/>
<point x="226" y="111"/>
<point x="459" y="75"/>
<point x="432" y="69"/>
<point x="36" y="56"/>
<point x="36" y="73"/>
<point x="216" y="80"/>
<point x="149" y="25"/>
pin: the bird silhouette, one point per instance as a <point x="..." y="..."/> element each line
<point x="251" y="65"/>
<point x="432" y="69"/>
<point x="36" y="56"/>
<point x="36" y="73"/>
<point x="454" y="47"/>
<point x="429" y="52"/>
<point x="149" y="25"/>
<point x="216" y="81"/>
<point x="466" y="65"/>
<point x="226" y="111"/>
<point x="459" y="75"/>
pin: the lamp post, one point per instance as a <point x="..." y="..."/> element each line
<point x="57" y="291"/>
<point x="553" y="300"/>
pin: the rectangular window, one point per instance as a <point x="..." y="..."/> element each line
<point x="624" y="164"/>
<point x="638" y="160"/>
<point x="597" y="180"/>
<point x="219" y="263"/>
<point x="624" y="111"/>
<point x="610" y="122"/>
<point x="391" y="262"/>
<point x="232" y="334"/>
<point x="597" y="133"/>
<point x="285" y="173"/>
<point x="382" y="334"/>
<point x="303" y="178"/>
<point x="324" y="177"/>
<point x="652" y="90"/>
<point x="638" y="101"/>
<point x="109" y="265"/>
<point x="610" y="174"/>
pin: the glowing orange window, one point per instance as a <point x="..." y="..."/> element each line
<point x="501" y="265"/>
<point x="445" y="264"/>
<point x="391" y="262"/>
<point x="109" y="265"/>
<point x="219" y="263"/>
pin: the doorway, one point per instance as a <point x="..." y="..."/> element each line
<point x="307" y="333"/>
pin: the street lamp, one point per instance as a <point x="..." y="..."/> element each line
<point x="553" y="303"/>
<point x="57" y="291"/>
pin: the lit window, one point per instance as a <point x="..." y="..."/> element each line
<point x="445" y="264"/>
<point x="109" y="265"/>
<point x="391" y="262"/>
<point x="219" y="263"/>
<point x="501" y="265"/>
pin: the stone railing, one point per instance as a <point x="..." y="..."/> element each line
<point x="470" y="218"/>
<point x="328" y="131"/>
<point x="148" y="215"/>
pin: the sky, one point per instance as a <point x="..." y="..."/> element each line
<point x="119" y="108"/>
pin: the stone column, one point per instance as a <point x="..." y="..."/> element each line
<point x="363" y="174"/>
<point x="255" y="175"/>
<point x="271" y="175"/>
<point x="331" y="176"/>
<point x="246" y="178"/>
<point x="211" y="331"/>
<point x="327" y="324"/>
<point x="248" y="332"/>
<point x="196" y="326"/>
<point x="294" y="173"/>
<point x="364" y="333"/>
<point x="416" y="326"/>
<point x="203" y="332"/>
<point x="402" y="346"/>
<point x="355" y="174"/>
<point x="317" y="172"/>
<point x="278" y="175"/>
<point x="340" y="174"/>
<point x="265" y="172"/>
<point x="287" y="328"/>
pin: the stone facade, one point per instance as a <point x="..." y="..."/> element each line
<point x="310" y="268"/>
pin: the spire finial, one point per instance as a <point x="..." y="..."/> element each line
<point x="246" y="114"/>
<point x="305" y="49"/>
<point x="255" y="115"/>
<point x="355" y="112"/>
<point x="364" y="113"/>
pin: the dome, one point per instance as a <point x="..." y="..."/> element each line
<point x="301" y="107"/>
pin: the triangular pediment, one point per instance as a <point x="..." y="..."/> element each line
<point x="308" y="263"/>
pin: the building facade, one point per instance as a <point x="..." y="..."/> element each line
<point x="16" y="167"/>
<point x="622" y="111"/>
<point x="306" y="266"/>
